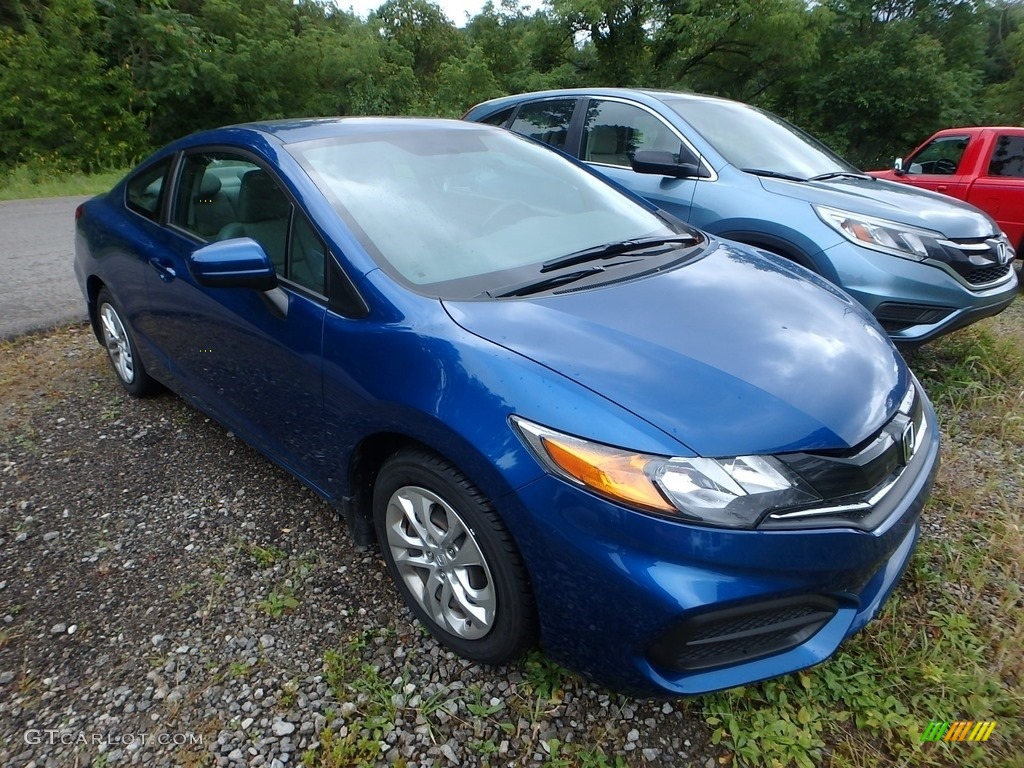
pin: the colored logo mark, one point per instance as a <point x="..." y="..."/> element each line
<point x="961" y="730"/>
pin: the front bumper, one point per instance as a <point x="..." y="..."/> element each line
<point x="620" y="592"/>
<point x="914" y="301"/>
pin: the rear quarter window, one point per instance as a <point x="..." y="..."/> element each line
<point x="499" y="118"/>
<point x="546" y="121"/>
<point x="144" y="193"/>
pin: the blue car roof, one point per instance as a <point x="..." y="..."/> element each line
<point x="289" y="131"/>
<point x="649" y="96"/>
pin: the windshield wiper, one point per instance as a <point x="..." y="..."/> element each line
<point x="543" y="284"/>
<point x="838" y="174"/>
<point x="771" y="174"/>
<point x="614" y="249"/>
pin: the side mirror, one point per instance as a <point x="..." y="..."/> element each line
<point x="661" y="163"/>
<point x="897" y="166"/>
<point x="236" y="263"/>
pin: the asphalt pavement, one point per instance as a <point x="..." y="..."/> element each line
<point x="38" y="289"/>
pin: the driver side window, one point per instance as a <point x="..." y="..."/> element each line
<point x="615" y="131"/>
<point x="221" y="196"/>
<point x="940" y="157"/>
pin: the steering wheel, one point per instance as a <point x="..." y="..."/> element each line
<point x="944" y="166"/>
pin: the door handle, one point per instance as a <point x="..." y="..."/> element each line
<point x="942" y="188"/>
<point x="166" y="273"/>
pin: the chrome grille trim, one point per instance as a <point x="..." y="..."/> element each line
<point x="919" y="436"/>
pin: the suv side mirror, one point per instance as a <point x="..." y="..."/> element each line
<point x="897" y="166"/>
<point x="661" y="163"/>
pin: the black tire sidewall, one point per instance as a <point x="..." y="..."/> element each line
<point x="514" y="626"/>
<point x="141" y="384"/>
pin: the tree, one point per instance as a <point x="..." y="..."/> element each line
<point x="616" y="31"/>
<point x="882" y="86"/>
<point x="421" y="28"/>
<point x="60" y="105"/>
<point x="744" y="50"/>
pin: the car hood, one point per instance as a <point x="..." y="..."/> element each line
<point x="890" y="200"/>
<point x="735" y="353"/>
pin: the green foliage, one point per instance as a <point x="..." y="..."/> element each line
<point x="61" y="107"/>
<point x="887" y="86"/>
<point x="94" y="84"/>
<point x="26" y="181"/>
<point x="729" y="48"/>
<point x="463" y="83"/>
<point x="278" y="601"/>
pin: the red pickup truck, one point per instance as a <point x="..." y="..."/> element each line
<point x="982" y="166"/>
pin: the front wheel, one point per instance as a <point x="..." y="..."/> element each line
<point x="121" y="350"/>
<point x="454" y="562"/>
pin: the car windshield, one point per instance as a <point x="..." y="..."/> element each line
<point x="752" y="139"/>
<point x="456" y="212"/>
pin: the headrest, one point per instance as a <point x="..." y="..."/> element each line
<point x="209" y="186"/>
<point x="259" y="198"/>
<point x="604" y="140"/>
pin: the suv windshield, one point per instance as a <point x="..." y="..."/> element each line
<point x="454" y="212"/>
<point x="750" y="138"/>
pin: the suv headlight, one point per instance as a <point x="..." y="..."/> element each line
<point x="882" y="235"/>
<point x="733" y="493"/>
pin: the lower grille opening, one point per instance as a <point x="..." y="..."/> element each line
<point x="894" y="316"/>
<point x="742" y="633"/>
<point x="981" y="275"/>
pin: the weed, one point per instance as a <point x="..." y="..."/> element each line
<point x="348" y="751"/>
<point x="545" y="679"/>
<point x="288" y="691"/>
<point x="278" y="601"/>
<point x="182" y="590"/>
<point x="265" y="556"/>
<point x="571" y="755"/>
<point x="479" y="707"/>
<point x="8" y="636"/>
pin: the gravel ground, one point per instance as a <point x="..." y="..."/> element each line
<point x="169" y="597"/>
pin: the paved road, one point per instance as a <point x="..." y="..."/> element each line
<point x="37" y="283"/>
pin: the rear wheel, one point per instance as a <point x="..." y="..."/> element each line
<point x="121" y="349"/>
<point x="454" y="562"/>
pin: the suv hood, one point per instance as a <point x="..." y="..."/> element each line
<point x="735" y="353"/>
<point x="889" y="200"/>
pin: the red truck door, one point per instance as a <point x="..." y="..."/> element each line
<point x="999" y="190"/>
<point x="939" y="165"/>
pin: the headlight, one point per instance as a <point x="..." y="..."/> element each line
<point x="881" y="235"/>
<point x="733" y="493"/>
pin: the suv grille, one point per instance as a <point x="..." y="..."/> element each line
<point x="982" y="275"/>
<point x="978" y="260"/>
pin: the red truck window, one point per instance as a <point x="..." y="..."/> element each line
<point x="1008" y="157"/>
<point x="940" y="156"/>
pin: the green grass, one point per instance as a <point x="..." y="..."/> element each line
<point x="950" y="643"/>
<point x="24" y="182"/>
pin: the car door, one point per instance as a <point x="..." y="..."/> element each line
<point x="936" y="166"/>
<point x="125" y="249"/>
<point x="252" y="358"/>
<point x="1000" y="192"/>
<point x="613" y="130"/>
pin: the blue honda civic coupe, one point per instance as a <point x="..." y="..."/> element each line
<point x="678" y="463"/>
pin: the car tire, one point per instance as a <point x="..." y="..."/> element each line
<point x="121" y="350"/>
<point x="455" y="563"/>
